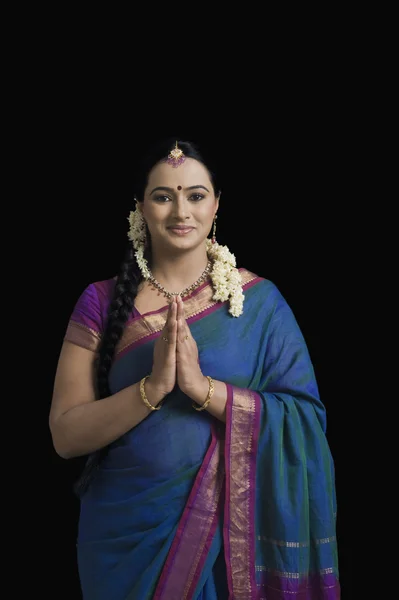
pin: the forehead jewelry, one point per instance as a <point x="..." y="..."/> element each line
<point x="176" y="157"/>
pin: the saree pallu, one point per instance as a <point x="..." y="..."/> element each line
<point x="185" y="507"/>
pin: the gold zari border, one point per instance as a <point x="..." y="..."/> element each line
<point x="82" y="336"/>
<point x="152" y="323"/>
<point x="242" y="430"/>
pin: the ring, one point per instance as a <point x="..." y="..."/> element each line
<point x="165" y="339"/>
<point x="186" y="337"/>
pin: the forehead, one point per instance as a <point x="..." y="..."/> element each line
<point x="191" y="172"/>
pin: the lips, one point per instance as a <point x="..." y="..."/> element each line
<point x="181" y="227"/>
<point x="180" y="230"/>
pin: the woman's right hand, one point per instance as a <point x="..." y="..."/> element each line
<point x="163" y="375"/>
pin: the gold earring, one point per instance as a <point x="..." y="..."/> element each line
<point x="214" y="229"/>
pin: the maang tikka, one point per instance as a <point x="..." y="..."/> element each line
<point x="176" y="157"/>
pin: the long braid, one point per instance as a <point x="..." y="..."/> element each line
<point x="120" y="308"/>
<point x="119" y="311"/>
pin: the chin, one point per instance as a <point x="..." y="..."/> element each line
<point x="181" y="243"/>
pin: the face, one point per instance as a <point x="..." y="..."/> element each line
<point x="179" y="205"/>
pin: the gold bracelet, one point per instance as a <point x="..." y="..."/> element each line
<point x="209" y="396"/>
<point x="144" y="397"/>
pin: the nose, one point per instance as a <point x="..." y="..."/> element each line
<point x="180" y="209"/>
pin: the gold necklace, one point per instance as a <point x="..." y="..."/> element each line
<point x="187" y="290"/>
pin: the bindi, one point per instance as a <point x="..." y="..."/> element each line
<point x="179" y="187"/>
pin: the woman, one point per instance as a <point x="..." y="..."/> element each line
<point x="188" y="384"/>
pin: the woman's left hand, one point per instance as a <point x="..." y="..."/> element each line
<point x="190" y="379"/>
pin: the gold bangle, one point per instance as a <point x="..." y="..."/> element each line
<point x="209" y="396"/>
<point x="144" y="397"/>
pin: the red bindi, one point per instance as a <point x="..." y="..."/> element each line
<point x="179" y="187"/>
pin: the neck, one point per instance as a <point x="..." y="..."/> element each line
<point x="179" y="271"/>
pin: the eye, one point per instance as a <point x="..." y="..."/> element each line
<point x="162" y="198"/>
<point x="196" y="197"/>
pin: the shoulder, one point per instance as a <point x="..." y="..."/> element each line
<point x="100" y="292"/>
<point x="87" y="320"/>
<point x="92" y="304"/>
<point x="103" y="290"/>
<point x="262" y="293"/>
<point x="262" y="285"/>
<point x="265" y="301"/>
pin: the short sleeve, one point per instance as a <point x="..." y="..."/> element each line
<point x="86" y="322"/>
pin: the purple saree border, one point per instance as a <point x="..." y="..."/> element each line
<point x="227" y="446"/>
<point x="313" y="587"/>
<point x="252" y="477"/>
<point x="206" y="548"/>
<point x="240" y="402"/>
<point x="185" y="560"/>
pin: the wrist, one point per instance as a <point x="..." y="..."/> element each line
<point x="199" y="392"/>
<point x="153" y="393"/>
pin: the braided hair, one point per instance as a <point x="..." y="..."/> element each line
<point x="124" y="295"/>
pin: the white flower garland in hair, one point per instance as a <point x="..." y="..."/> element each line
<point x="226" y="278"/>
<point x="137" y="234"/>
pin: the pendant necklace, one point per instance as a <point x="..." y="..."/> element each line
<point x="187" y="290"/>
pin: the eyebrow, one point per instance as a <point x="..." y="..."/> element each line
<point x="168" y="189"/>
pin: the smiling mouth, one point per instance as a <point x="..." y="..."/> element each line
<point x="181" y="230"/>
<point x="181" y="227"/>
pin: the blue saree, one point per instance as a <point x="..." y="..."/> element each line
<point x="185" y="507"/>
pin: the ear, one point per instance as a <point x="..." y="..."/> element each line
<point x="138" y="206"/>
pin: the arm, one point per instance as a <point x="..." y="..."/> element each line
<point x="79" y="423"/>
